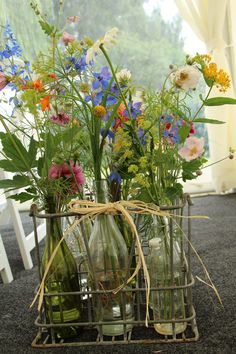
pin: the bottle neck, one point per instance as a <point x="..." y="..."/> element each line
<point x="101" y="191"/>
<point x="50" y="204"/>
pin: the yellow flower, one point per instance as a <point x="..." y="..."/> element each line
<point x="143" y="161"/>
<point x="220" y="78"/>
<point x="205" y="57"/>
<point x="99" y="111"/>
<point x="141" y="180"/>
<point x="133" y="169"/>
<point x="146" y="124"/>
<point x="127" y="154"/>
<point x="76" y="123"/>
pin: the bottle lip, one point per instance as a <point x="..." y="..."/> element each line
<point x="155" y="242"/>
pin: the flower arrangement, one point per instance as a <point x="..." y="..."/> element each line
<point x="73" y="118"/>
<point x="158" y="147"/>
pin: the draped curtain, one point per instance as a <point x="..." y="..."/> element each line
<point x="210" y="20"/>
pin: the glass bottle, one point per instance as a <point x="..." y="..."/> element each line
<point x="109" y="257"/>
<point x="166" y="304"/>
<point x="62" y="277"/>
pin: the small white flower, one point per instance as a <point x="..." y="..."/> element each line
<point x="123" y="76"/>
<point x="186" y="77"/>
<point x="107" y="41"/>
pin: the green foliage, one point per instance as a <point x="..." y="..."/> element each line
<point x="189" y="168"/>
<point x="219" y="101"/>
<point x="207" y="120"/>
<point x="47" y="28"/>
<point x="22" y="160"/>
<point x="174" y="192"/>
<point x="18" y="181"/>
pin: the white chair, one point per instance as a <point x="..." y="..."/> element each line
<point x="26" y="243"/>
<point x="5" y="269"/>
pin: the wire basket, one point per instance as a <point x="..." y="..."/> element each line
<point x="89" y="329"/>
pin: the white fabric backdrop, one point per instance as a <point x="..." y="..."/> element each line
<point x="208" y="19"/>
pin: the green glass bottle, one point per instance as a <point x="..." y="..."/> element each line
<point x="62" y="277"/>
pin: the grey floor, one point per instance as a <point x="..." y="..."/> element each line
<point x="215" y="241"/>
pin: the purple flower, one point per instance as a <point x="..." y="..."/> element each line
<point x="109" y="134"/>
<point x="172" y="135"/>
<point x="142" y="136"/>
<point x="102" y="79"/>
<point x="115" y="177"/>
<point x="134" y="109"/>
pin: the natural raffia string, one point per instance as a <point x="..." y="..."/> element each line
<point x="90" y="209"/>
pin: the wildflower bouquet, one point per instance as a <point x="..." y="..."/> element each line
<point x="158" y="147"/>
<point x="63" y="111"/>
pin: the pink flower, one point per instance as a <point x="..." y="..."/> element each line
<point x="73" y="19"/>
<point x="3" y="81"/>
<point x="66" y="170"/>
<point x="67" y="38"/>
<point x="71" y="172"/>
<point x="79" y="176"/>
<point x="192" y="148"/>
<point x="61" y="118"/>
<point x="54" y="172"/>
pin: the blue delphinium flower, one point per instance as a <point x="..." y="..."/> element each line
<point x="115" y="177"/>
<point x="102" y="79"/>
<point x="142" y="136"/>
<point x="110" y="133"/>
<point x="134" y="109"/>
<point x="12" y="47"/>
<point x="172" y="134"/>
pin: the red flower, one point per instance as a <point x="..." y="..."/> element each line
<point x="53" y="76"/>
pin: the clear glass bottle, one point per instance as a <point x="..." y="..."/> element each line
<point x="62" y="277"/>
<point x="109" y="270"/>
<point x="166" y="304"/>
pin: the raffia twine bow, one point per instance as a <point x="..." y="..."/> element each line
<point x="90" y="209"/>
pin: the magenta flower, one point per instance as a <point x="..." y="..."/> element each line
<point x="192" y="148"/>
<point x="54" y="172"/>
<point x="3" y="81"/>
<point x="61" y="119"/>
<point x="67" y="38"/>
<point x="71" y="172"/>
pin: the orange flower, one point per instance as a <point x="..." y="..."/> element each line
<point x="45" y="103"/>
<point x="37" y="85"/>
<point x="121" y="117"/>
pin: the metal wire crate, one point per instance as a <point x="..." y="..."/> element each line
<point x="90" y="330"/>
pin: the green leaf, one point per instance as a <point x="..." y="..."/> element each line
<point x="207" y="120"/>
<point x="23" y="197"/>
<point x="190" y="168"/>
<point x="219" y="101"/>
<point x="40" y="166"/>
<point x="48" y="29"/>
<point x="8" y="166"/>
<point x="32" y="152"/>
<point x="183" y="132"/>
<point x="174" y="192"/>
<point x="15" y="151"/>
<point x="18" y="181"/>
